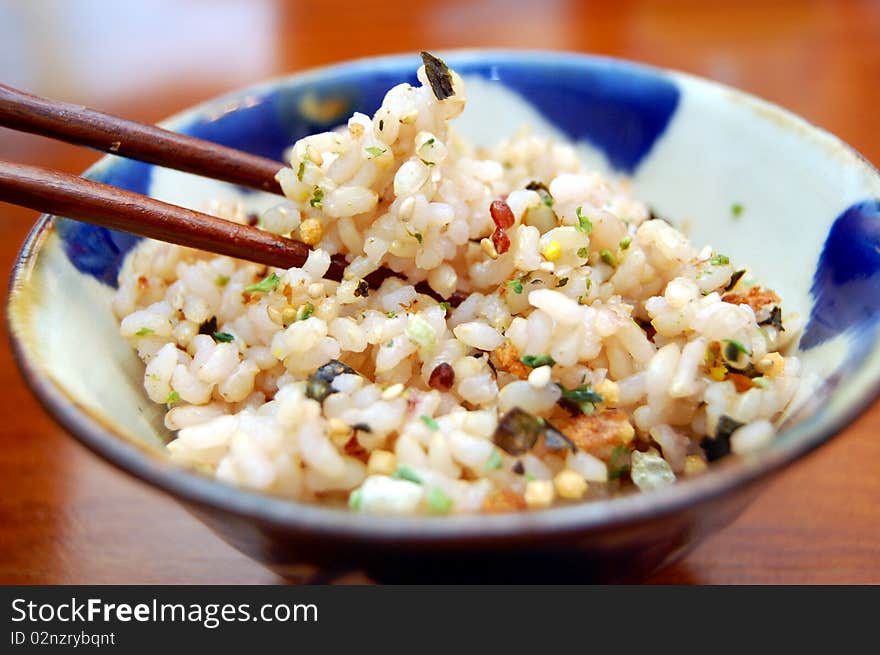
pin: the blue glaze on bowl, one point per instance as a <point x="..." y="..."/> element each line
<point x="692" y="148"/>
<point x="846" y="284"/>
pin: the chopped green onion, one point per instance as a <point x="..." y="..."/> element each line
<point x="732" y="348"/>
<point x="583" y="253"/>
<point x="534" y="361"/>
<point x="391" y="314"/>
<point x="306" y="311"/>
<point x="625" y="242"/>
<point x="530" y="477"/>
<point x="495" y="461"/>
<point x="355" y="499"/>
<point x="720" y="260"/>
<point x="617" y="463"/>
<point x="404" y="472"/>
<point x="317" y="197"/>
<point x="736" y="209"/>
<point x="268" y="284"/>
<point x="516" y="286"/>
<point x="446" y="306"/>
<point x="438" y="501"/>
<point x="585" y="225"/>
<point x="301" y="171"/>
<point x="144" y="331"/>
<point x="223" y="337"/>
<point x="376" y="151"/>
<point x="221" y="280"/>
<point x="173" y="397"/>
<point x="430" y="422"/>
<point x="606" y="256"/>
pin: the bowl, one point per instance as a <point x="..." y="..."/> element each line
<point x="807" y="222"/>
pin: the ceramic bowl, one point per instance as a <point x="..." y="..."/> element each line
<point x="809" y="226"/>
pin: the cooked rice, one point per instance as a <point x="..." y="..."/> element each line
<point x="605" y="323"/>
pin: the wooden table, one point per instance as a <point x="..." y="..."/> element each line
<point x="67" y="517"/>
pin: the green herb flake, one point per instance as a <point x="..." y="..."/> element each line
<point x="582" y="398"/>
<point x="391" y="314"/>
<point x="223" y="337"/>
<point x="606" y="256"/>
<point x="438" y="501"/>
<point x="585" y="225"/>
<point x="618" y="463"/>
<point x="438" y="76"/>
<point x="775" y="318"/>
<point x="543" y="192"/>
<point x="416" y="235"/>
<point x="719" y="446"/>
<point x="426" y="162"/>
<point x="362" y="290"/>
<point x="266" y="285"/>
<point x="430" y="422"/>
<point x="561" y="282"/>
<point x="144" y="331"/>
<point x="317" y="197"/>
<point x="356" y="499"/>
<point x="173" y="397"/>
<point x="404" y="472"/>
<point x="530" y="477"/>
<point x="625" y="242"/>
<point x="516" y="286"/>
<point x="446" y="307"/>
<point x="734" y="279"/>
<point x="375" y="151"/>
<point x="534" y="361"/>
<point x="720" y="260"/>
<point x="583" y="253"/>
<point x="736" y="209"/>
<point x="495" y="461"/>
<point x="301" y="171"/>
<point x="307" y="310"/>
<point x="221" y="280"/>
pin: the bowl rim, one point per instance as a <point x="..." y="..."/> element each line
<point x="189" y="486"/>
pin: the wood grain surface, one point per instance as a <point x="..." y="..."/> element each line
<point x="67" y="517"/>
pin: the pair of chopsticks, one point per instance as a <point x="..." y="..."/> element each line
<point x="92" y="202"/>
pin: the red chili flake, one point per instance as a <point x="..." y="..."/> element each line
<point x="143" y="282"/>
<point x="442" y="377"/>
<point x="253" y="218"/>
<point x="501" y="241"/>
<point x="501" y="214"/>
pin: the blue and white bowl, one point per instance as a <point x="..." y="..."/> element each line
<point x="809" y="227"/>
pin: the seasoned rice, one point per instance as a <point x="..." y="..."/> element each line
<point x="585" y="349"/>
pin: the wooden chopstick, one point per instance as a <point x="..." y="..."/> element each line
<point x="83" y="126"/>
<point x="92" y="202"/>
